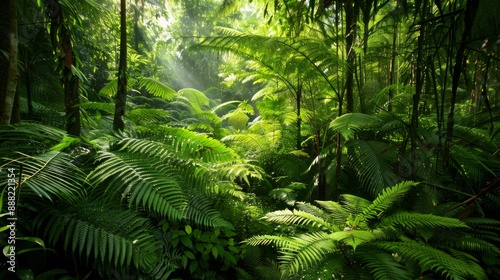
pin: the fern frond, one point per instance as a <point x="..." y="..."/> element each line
<point x="296" y="217"/>
<point x="111" y="88"/>
<point x="114" y="236"/>
<point x="184" y="143"/>
<point x="146" y="184"/>
<point x="306" y="251"/>
<point x="107" y="107"/>
<point x="39" y="172"/>
<point x="382" y="265"/>
<point x="201" y="212"/>
<point x="157" y="88"/>
<point x="349" y="123"/>
<point x="468" y="244"/>
<point x="433" y="259"/>
<point x="353" y="238"/>
<point x="336" y="213"/>
<point x="372" y="162"/>
<point x="413" y="221"/>
<point x="197" y="99"/>
<point x="385" y="199"/>
<point x="483" y="223"/>
<point x="147" y="116"/>
<point x="354" y="205"/>
<point x="29" y="138"/>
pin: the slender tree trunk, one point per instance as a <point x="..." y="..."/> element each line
<point x="299" y="118"/>
<point x="27" y="77"/>
<point x="392" y="67"/>
<point x="350" y="21"/>
<point x="470" y="14"/>
<point x="16" y="109"/>
<point x="70" y="83"/>
<point x="419" y="83"/>
<point x="121" y="95"/>
<point x="12" y="71"/>
<point x="61" y="36"/>
<point x="136" y="27"/>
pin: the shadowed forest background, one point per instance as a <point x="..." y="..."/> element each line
<point x="228" y="139"/>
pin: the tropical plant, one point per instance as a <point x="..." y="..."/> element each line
<point x="356" y="238"/>
<point x="109" y="220"/>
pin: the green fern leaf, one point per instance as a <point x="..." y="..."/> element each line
<point x="386" y="199"/>
<point x="435" y="260"/>
<point x="413" y="221"/>
<point x="157" y="88"/>
<point x="349" y="123"/>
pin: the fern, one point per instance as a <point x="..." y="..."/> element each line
<point x="372" y="162"/>
<point x="382" y="265"/>
<point x="386" y="199"/>
<point x="413" y="221"/>
<point x="309" y="57"/>
<point x="435" y="260"/>
<point x="29" y="138"/>
<point x="39" y="171"/>
<point x="157" y="88"/>
<point x="349" y="123"/>
<point x="296" y="217"/>
<point x="148" y="187"/>
<point x="115" y="236"/>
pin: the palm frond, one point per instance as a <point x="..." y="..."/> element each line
<point x="309" y="57"/>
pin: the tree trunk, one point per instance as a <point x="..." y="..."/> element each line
<point x="29" y="99"/>
<point x="392" y="67"/>
<point x="61" y="37"/>
<point x="470" y="13"/>
<point x="350" y="21"/>
<point x="419" y="84"/>
<point x="10" y="86"/>
<point x="121" y="95"/>
<point x="298" y="94"/>
<point x="70" y="84"/>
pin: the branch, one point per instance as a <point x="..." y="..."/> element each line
<point x="483" y="191"/>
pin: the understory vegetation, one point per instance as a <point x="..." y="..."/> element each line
<point x="228" y="139"/>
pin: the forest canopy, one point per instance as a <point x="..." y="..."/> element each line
<point x="229" y="139"/>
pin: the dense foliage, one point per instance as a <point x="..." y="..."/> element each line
<point x="282" y="139"/>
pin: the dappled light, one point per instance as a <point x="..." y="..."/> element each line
<point x="230" y="139"/>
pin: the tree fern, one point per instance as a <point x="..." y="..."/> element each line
<point x="307" y="56"/>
